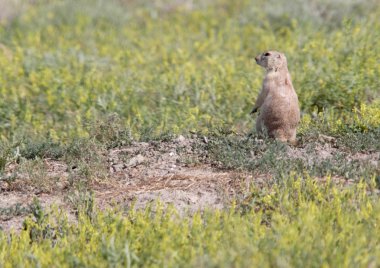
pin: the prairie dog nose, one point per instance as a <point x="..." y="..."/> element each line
<point x="257" y="58"/>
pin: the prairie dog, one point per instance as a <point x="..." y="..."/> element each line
<point x="277" y="101"/>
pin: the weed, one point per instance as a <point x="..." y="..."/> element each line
<point x="42" y="149"/>
<point x="110" y="132"/>
<point x="295" y="222"/>
<point x="35" y="173"/>
<point x="18" y="209"/>
<point x="279" y="160"/>
<point x="197" y="77"/>
<point x="82" y="200"/>
<point x="79" y="78"/>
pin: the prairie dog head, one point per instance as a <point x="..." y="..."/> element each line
<point x="272" y="60"/>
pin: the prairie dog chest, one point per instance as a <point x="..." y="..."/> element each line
<point x="274" y="84"/>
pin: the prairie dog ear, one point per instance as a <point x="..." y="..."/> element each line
<point x="279" y="56"/>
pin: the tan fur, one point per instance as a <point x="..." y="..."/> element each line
<point x="277" y="101"/>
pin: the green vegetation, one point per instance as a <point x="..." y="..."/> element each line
<point x="78" y="78"/>
<point x="165" y="67"/>
<point x="295" y="223"/>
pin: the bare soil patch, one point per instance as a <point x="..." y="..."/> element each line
<point x="175" y="172"/>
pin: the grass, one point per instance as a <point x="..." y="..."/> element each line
<point x="66" y="64"/>
<point x="79" y="78"/>
<point x="291" y="224"/>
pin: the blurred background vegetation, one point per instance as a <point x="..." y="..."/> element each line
<point x="177" y="65"/>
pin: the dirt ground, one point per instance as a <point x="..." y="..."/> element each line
<point x="142" y="173"/>
<point x="138" y="174"/>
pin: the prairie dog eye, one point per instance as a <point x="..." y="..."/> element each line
<point x="267" y="54"/>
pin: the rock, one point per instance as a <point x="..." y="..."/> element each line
<point x="118" y="167"/>
<point x="180" y="139"/>
<point x="137" y="160"/>
<point x="140" y="144"/>
<point x="325" y="138"/>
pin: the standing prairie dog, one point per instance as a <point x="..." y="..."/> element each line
<point x="277" y="101"/>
